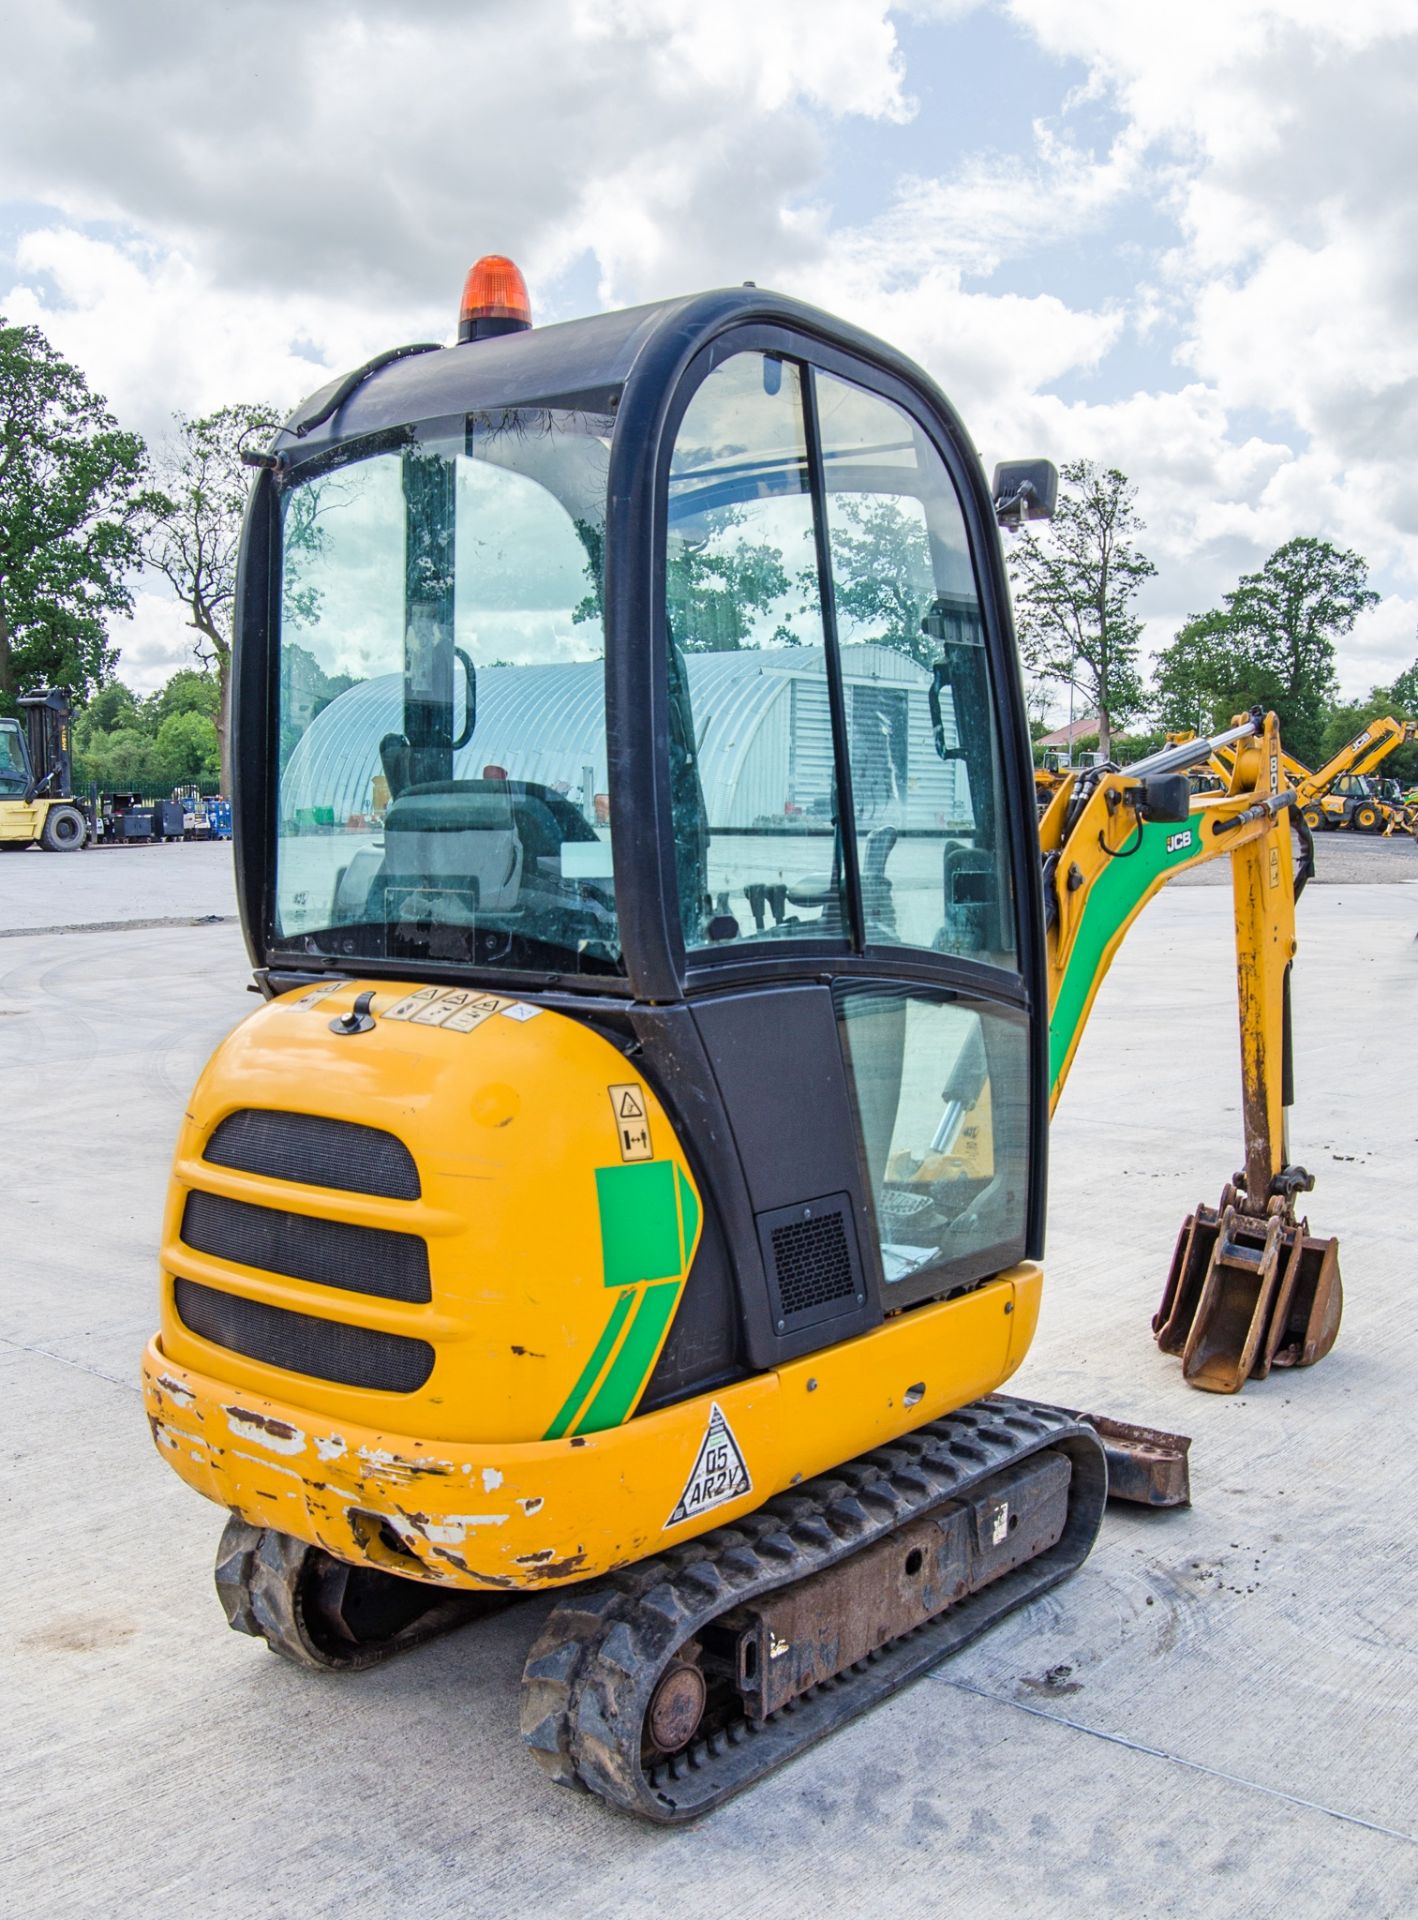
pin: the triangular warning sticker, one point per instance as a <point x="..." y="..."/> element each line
<point x="720" y="1473"/>
<point x="631" y="1105"/>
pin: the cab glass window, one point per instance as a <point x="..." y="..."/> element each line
<point x="443" y="773"/>
<point x="751" y="749"/>
<point x="14" y="774"/>
<point x="923" y="744"/>
<point x="941" y="1088"/>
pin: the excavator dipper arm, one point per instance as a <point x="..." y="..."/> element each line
<point x="1249" y="1287"/>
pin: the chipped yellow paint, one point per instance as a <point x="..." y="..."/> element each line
<point x="539" y="1513"/>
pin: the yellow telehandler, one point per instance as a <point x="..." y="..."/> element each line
<point x="1343" y="792"/>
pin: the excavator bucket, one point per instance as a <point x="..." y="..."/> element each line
<point x="1245" y="1295"/>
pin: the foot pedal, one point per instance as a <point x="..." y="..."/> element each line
<point x="1246" y="1294"/>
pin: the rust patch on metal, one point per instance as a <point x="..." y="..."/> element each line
<point x="545" y="1562"/>
<point x="501" y="1580"/>
<point x="278" y="1429"/>
<point x="1146" y="1465"/>
<point x="798" y="1636"/>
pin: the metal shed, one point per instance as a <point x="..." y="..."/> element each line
<point x="763" y="733"/>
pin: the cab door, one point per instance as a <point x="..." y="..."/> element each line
<point x="846" y="867"/>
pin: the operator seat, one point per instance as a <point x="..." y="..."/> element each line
<point x="971" y="910"/>
<point x="487" y="839"/>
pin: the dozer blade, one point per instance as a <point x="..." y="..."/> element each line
<point x="1246" y="1294"/>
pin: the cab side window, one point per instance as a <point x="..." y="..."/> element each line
<point x="751" y="752"/>
<point x="941" y="1088"/>
<point x="924" y="753"/>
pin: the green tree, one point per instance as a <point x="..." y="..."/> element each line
<point x="185" y="751"/>
<point x="1404" y="694"/>
<point x="1270" y="644"/>
<point x="189" y="690"/>
<point x="68" y="488"/>
<point x="111" y="707"/>
<point x="1207" y="676"/>
<point x="193" y="531"/>
<point x="1287" y="619"/>
<point x="1073" y="593"/>
<point x="117" y="762"/>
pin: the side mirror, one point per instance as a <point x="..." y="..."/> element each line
<point x="1025" y="490"/>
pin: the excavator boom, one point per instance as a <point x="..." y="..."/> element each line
<point x="1249" y="1287"/>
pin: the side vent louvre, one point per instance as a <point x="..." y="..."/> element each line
<point x="812" y="1261"/>
<point x="299" y="1343"/>
<point x="315" y="1151"/>
<point x="327" y="1253"/>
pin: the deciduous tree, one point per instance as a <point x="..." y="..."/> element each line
<point x="1288" y="617"/>
<point x="1074" y="586"/>
<point x="1270" y="644"/>
<point x="193" y="531"/>
<point x="68" y="541"/>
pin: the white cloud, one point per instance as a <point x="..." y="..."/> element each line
<point x="290" y="189"/>
<point x="156" y="643"/>
<point x="155" y="334"/>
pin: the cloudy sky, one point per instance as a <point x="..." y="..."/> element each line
<point x="1179" y="239"/>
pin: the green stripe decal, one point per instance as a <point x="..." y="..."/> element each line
<point x="1114" y="898"/>
<point x="621" y="1387"/>
<point x="587" y="1379"/>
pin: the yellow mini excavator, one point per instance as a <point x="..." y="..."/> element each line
<point x="634" y="1183"/>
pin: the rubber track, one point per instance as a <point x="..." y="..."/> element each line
<point x="588" y="1680"/>
<point x="259" y="1579"/>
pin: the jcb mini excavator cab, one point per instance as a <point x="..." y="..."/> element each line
<point x="646" y="1134"/>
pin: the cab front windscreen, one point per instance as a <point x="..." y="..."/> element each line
<point x="14" y="768"/>
<point x="443" y="791"/>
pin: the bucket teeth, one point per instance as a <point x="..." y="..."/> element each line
<point x="1245" y="1294"/>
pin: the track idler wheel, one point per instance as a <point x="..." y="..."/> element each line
<point x="322" y="1613"/>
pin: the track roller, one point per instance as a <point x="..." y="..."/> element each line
<point x="673" y="1685"/>
<point x="319" y="1612"/>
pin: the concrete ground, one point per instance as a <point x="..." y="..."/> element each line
<point x="1214" y="1717"/>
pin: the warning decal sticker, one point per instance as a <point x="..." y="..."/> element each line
<point x="317" y="994"/>
<point x="719" y="1474"/>
<point x="632" y="1121"/>
<point x="455" y="1009"/>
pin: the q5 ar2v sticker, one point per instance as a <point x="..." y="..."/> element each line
<point x="719" y="1472"/>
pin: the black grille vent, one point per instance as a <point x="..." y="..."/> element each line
<point x="328" y="1253"/>
<point x="299" y="1343"/>
<point x="814" y="1271"/>
<point x="316" y="1151"/>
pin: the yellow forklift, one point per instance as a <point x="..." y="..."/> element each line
<point x="635" y="1182"/>
<point x="37" y="805"/>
